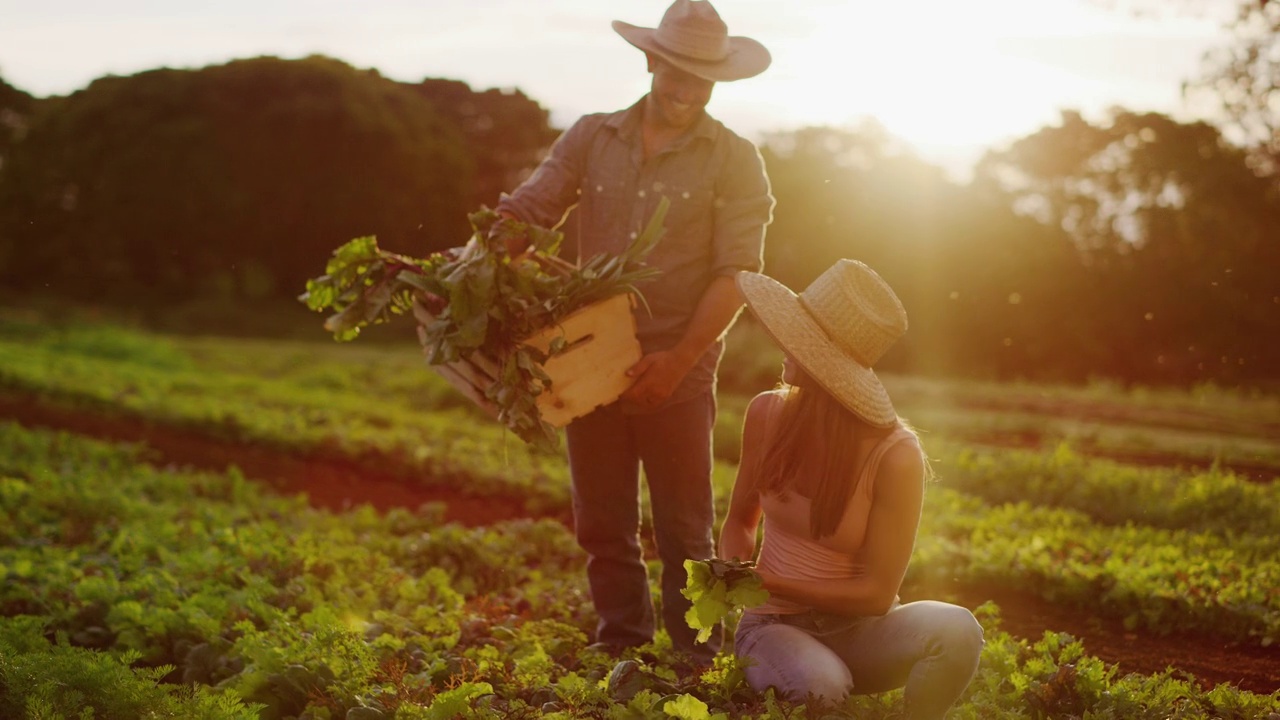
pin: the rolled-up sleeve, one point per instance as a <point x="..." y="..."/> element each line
<point x="743" y="208"/>
<point x="552" y="190"/>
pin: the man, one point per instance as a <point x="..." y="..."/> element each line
<point x="612" y="170"/>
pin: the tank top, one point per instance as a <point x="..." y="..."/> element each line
<point x="789" y="550"/>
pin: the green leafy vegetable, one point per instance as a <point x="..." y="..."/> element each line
<point x="719" y="588"/>
<point x="481" y="299"/>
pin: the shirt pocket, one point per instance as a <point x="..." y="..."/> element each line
<point x="689" y="222"/>
<point x="605" y="205"/>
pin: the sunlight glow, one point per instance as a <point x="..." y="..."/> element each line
<point x="943" y="83"/>
<point x="951" y="78"/>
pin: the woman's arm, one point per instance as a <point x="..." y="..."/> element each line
<point x="891" y="535"/>
<point x="738" y="533"/>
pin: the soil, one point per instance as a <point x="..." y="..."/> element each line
<point x="330" y="483"/>
<point x="337" y="485"/>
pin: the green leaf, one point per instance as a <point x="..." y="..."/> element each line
<point x="686" y="707"/>
<point x="454" y="703"/>
<point x="717" y="589"/>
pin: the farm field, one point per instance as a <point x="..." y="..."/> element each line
<point x="217" y="527"/>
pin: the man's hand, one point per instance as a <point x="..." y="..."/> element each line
<point x="515" y="240"/>
<point x="657" y="374"/>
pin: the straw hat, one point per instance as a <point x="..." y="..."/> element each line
<point x="692" y="37"/>
<point x="836" y="330"/>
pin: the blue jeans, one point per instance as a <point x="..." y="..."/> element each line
<point x="928" y="648"/>
<point x="606" y="451"/>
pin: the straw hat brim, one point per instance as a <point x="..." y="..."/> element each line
<point x="746" y="58"/>
<point x="794" y="329"/>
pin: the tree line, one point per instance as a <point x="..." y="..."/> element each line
<point x="1137" y="248"/>
<point x="239" y="179"/>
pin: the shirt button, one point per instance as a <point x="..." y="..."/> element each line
<point x="599" y="188"/>
<point x="685" y="194"/>
<point x="634" y="235"/>
<point x="641" y="193"/>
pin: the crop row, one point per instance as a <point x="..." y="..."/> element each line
<point x="383" y="407"/>
<point x="1164" y="550"/>
<point x="128" y="590"/>
<point x="378" y="385"/>
<point x="1154" y="579"/>
<point x="1111" y="493"/>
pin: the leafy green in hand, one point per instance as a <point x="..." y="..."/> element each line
<point x="719" y="588"/>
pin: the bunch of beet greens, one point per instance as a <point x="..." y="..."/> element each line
<point x="481" y="298"/>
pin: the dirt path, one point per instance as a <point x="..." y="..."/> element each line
<point x="329" y="483"/>
<point x="339" y="485"/>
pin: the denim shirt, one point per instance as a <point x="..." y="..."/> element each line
<point x="598" y="188"/>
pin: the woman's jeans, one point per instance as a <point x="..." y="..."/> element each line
<point x="606" y="451"/>
<point x="928" y="648"/>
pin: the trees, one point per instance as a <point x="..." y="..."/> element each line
<point x="237" y="179"/>
<point x="505" y="132"/>
<point x="15" y="107"/>
<point x="1243" y="79"/>
<point x="1176" y="232"/>
<point x="979" y="282"/>
<point x="1141" y="249"/>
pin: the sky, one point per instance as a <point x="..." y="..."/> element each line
<point x="950" y="78"/>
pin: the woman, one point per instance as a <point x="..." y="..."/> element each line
<point x="839" y="479"/>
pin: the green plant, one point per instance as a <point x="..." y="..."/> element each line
<point x="718" y="589"/>
<point x="482" y="299"/>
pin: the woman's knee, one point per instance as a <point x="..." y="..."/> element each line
<point x="801" y="678"/>
<point x="958" y="632"/>
<point x="829" y="684"/>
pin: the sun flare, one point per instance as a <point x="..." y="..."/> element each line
<point x="948" y="83"/>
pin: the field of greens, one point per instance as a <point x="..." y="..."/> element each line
<point x="133" y="585"/>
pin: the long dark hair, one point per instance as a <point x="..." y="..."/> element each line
<point x="814" y="436"/>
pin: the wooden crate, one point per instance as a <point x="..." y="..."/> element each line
<point x="601" y="342"/>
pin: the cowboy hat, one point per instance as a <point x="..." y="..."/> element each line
<point x="835" y="330"/>
<point x="692" y="37"/>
